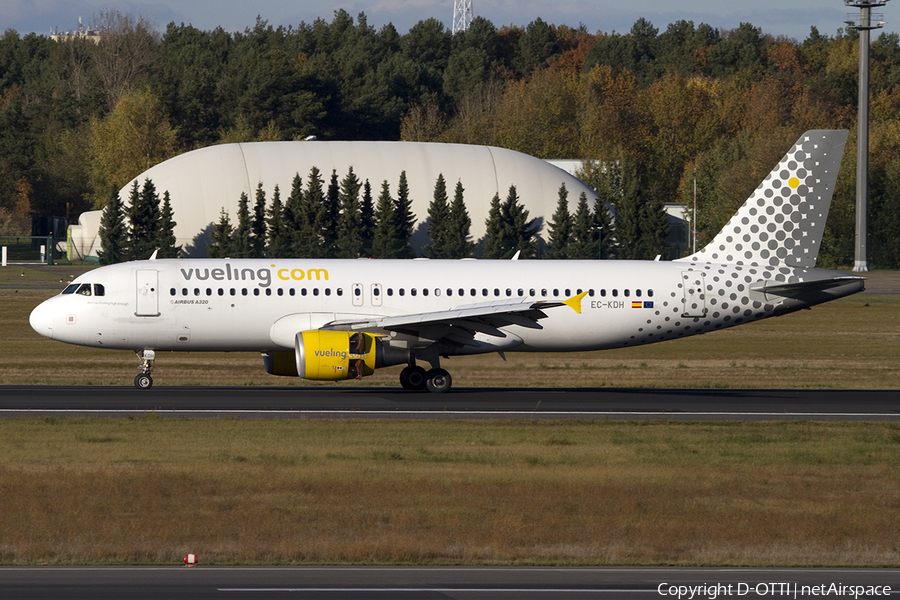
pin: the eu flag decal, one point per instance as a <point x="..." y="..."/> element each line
<point x="648" y="304"/>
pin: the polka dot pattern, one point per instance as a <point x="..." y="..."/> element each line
<point x="782" y="222"/>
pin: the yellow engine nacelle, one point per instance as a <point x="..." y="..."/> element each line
<point x="333" y="355"/>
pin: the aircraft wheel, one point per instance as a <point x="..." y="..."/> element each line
<point x="438" y="381"/>
<point x="412" y="378"/>
<point x="143" y="381"/>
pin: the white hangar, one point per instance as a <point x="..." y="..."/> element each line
<point x="202" y="182"/>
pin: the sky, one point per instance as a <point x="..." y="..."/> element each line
<point x="791" y="18"/>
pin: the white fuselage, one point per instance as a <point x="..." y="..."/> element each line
<point x="260" y="304"/>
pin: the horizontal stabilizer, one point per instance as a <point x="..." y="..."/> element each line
<point x="775" y="288"/>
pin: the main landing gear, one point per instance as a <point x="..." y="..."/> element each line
<point x="414" y="377"/>
<point x="142" y="380"/>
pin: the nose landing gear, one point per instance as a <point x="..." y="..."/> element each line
<point x="142" y="380"/>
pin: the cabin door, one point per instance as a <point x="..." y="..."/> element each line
<point x="147" y="293"/>
<point x="693" y="284"/>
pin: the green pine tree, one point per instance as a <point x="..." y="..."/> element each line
<point x="258" y="224"/>
<point x="404" y="221"/>
<point x="328" y="218"/>
<point x="219" y="245"/>
<point x="112" y="229"/>
<point x="277" y="241"/>
<point x="518" y="233"/>
<point x="367" y="219"/>
<point x="144" y="217"/>
<point x="492" y="246"/>
<point x="560" y="227"/>
<point x="165" y="239"/>
<point x="350" y="239"/>
<point x="438" y="221"/>
<point x="382" y="237"/>
<point x="603" y="230"/>
<point x="241" y="239"/>
<point x="583" y="242"/>
<point x="311" y="242"/>
<point x="458" y="226"/>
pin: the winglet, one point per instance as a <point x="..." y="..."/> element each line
<point x="575" y="302"/>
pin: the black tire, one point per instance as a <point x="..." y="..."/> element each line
<point x="413" y="378"/>
<point x="438" y="381"/>
<point x="143" y="381"/>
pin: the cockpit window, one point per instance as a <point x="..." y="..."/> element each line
<point x="99" y="290"/>
<point x="70" y="289"/>
<point x="84" y="290"/>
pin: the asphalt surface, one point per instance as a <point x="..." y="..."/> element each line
<point x="459" y="403"/>
<point x="463" y="583"/>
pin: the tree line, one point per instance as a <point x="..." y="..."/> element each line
<point x="662" y="105"/>
<point x="343" y="220"/>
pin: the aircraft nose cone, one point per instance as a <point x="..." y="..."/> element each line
<point x="41" y="320"/>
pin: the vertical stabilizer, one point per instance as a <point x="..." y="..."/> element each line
<point x="782" y="222"/>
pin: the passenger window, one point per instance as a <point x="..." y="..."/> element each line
<point x="603" y="293"/>
<point x="221" y="292"/>
<point x="268" y="291"/>
<point x="568" y="292"/>
<point x="472" y="292"/>
<point x="292" y="292"/>
<point x="627" y="293"/>
<point x="376" y="292"/>
<point x="390" y="291"/>
<point x="425" y="291"/>
<point x="184" y="292"/>
<point x="243" y="291"/>
<point x="209" y="291"/>
<point x="402" y="291"/>
<point x="615" y="293"/>
<point x="508" y="292"/>
<point x="172" y="292"/>
<point x="555" y="292"/>
<point x="315" y="291"/>
<point x="496" y="292"/>
<point x="196" y="291"/>
<point x="340" y="291"/>
<point x="531" y="292"/>
<point x="85" y="289"/>
<point x="637" y="293"/>
<point x="232" y="291"/>
<point x="544" y="292"/>
<point x="650" y="293"/>
<point x="357" y="292"/>
<point x="303" y="292"/>
<point x="484" y="292"/>
<point x="412" y="292"/>
<point x="591" y="292"/>
<point x="256" y="291"/>
<point x="280" y="292"/>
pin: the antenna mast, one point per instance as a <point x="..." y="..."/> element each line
<point x="462" y="15"/>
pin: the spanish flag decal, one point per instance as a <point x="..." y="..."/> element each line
<point x="637" y="304"/>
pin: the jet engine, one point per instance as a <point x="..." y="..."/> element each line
<point x="327" y="355"/>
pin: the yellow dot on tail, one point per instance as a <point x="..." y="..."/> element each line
<point x="794" y="182"/>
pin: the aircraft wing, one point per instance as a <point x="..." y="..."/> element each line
<point x="460" y="324"/>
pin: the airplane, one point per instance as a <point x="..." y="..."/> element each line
<point x="341" y="319"/>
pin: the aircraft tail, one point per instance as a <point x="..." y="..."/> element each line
<point x="782" y="222"/>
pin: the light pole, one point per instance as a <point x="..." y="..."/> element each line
<point x="866" y="22"/>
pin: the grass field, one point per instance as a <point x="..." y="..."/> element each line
<point x="285" y="492"/>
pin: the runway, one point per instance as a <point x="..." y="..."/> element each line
<point x="460" y="403"/>
<point x="462" y="583"/>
